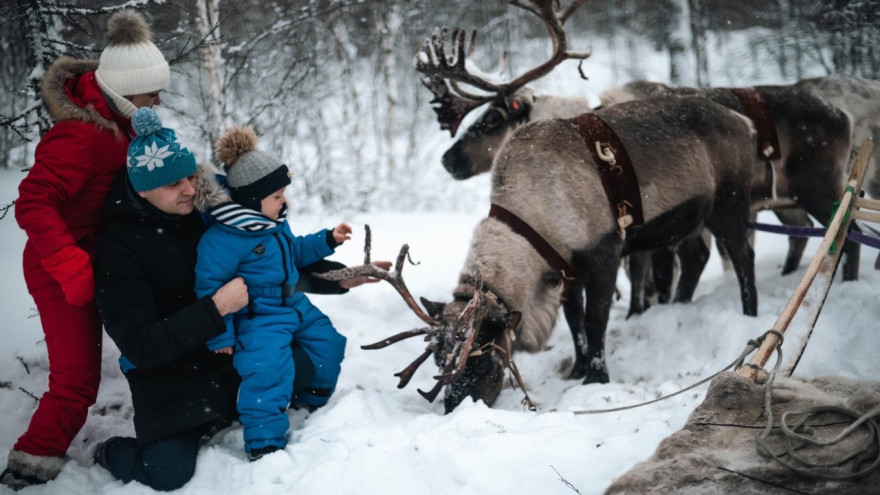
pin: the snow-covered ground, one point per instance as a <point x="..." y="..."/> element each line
<point x="373" y="438"/>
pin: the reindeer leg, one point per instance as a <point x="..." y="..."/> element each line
<point x="599" y="266"/>
<point x="600" y="293"/>
<point x="663" y="273"/>
<point x="694" y="254"/>
<point x="729" y="225"/>
<point x="796" y="245"/>
<point x="852" y="250"/>
<point x="573" y="309"/>
<point x="639" y="267"/>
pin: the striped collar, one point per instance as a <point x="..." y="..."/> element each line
<point x="235" y="216"/>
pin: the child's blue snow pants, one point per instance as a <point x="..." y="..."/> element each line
<point x="264" y="359"/>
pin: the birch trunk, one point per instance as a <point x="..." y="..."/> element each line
<point x="677" y="42"/>
<point x="212" y="65"/>
<point x="698" y="42"/>
<point x="387" y="67"/>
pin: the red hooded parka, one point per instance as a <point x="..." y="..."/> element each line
<point x="61" y="209"/>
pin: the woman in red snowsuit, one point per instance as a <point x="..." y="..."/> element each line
<point x="61" y="209"/>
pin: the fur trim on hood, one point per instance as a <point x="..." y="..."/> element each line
<point x="209" y="191"/>
<point x="33" y="468"/>
<point x="59" y="105"/>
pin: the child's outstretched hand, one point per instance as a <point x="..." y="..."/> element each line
<point x="342" y="233"/>
<point x="224" y="350"/>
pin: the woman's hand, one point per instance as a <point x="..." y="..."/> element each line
<point x="224" y="350"/>
<point x="354" y="282"/>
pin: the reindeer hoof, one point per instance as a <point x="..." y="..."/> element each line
<point x="634" y="311"/>
<point x="578" y="371"/>
<point x="596" y="376"/>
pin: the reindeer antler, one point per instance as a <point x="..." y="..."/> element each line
<point x="546" y="10"/>
<point x="465" y="333"/>
<point x="462" y="338"/>
<point x="459" y="340"/>
<point x="394" y="278"/>
<point x="443" y="74"/>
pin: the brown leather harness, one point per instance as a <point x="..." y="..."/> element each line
<point x="618" y="179"/>
<point x="550" y="255"/>
<point x="757" y="110"/>
<point x="615" y="169"/>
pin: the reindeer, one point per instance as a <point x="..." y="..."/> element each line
<point x="860" y="98"/>
<point x="808" y="163"/>
<point x="551" y="236"/>
<point x="510" y="104"/>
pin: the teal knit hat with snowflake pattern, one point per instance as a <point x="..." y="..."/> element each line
<point x="155" y="156"/>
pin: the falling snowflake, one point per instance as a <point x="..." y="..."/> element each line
<point x="153" y="156"/>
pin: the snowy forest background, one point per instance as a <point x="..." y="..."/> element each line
<point x="330" y="84"/>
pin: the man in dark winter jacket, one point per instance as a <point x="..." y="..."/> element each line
<point x="60" y="208"/>
<point x="145" y="275"/>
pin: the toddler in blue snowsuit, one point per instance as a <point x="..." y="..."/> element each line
<point x="249" y="238"/>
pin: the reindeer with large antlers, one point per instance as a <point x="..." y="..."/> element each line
<point x="512" y="103"/>
<point x="551" y="234"/>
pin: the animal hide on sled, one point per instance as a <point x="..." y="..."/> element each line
<point x="716" y="452"/>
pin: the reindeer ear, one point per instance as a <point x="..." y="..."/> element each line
<point x="434" y="309"/>
<point x="513" y="319"/>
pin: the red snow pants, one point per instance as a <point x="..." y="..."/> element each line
<point x="73" y="341"/>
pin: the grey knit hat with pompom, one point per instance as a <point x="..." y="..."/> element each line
<point x="251" y="174"/>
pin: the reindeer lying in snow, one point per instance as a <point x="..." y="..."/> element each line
<point x="694" y="162"/>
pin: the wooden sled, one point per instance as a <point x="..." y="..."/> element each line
<point x="810" y="294"/>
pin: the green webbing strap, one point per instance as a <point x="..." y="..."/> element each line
<point x="834" y="247"/>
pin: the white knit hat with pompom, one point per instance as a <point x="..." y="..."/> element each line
<point x="131" y="64"/>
